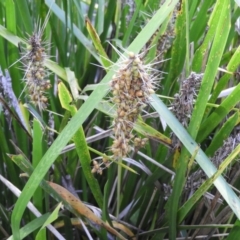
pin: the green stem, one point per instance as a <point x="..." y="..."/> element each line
<point x="119" y="187"/>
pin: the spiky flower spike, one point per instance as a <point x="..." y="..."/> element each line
<point x="182" y="105"/>
<point x="36" y="73"/>
<point x="36" y="76"/>
<point x="228" y="146"/>
<point x="196" y="179"/>
<point x="131" y="87"/>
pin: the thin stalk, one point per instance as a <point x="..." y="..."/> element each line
<point x="119" y="180"/>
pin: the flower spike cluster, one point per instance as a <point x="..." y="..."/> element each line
<point x="35" y="72"/>
<point x="131" y="87"/>
<point x="183" y="104"/>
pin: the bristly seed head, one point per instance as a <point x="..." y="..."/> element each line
<point x="182" y="105"/>
<point x="36" y="76"/>
<point x="131" y="87"/>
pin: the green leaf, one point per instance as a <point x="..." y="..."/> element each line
<point x="201" y="54"/>
<point x="178" y="51"/>
<point x="81" y="146"/>
<point x="52" y="217"/>
<point x="36" y="156"/>
<point x="217" y="116"/>
<point x="32" y="226"/>
<point x="76" y="31"/>
<point x="97" y="43"/>
<point x="100" y="16"/>
<point x="231" y="67"/>
<point x="25" y="15"/>
<point x="234" y="234"/>
<point x="222" y="134"/>
<point x="13" y="56"/>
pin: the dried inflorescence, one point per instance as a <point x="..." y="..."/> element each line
<point x="131" y="88"/>
<point x="195" y="180"/>
<point x="139" y="142"/>
<point x="35" y="73"/>
<point x="99" y="164"/>
<point x="182" y="105"/>
<point x="228" y="146"/>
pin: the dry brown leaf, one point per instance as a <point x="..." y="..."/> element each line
<point x="82" y="209"/>
<point x="76" y="222"/>
<point x="124" y="229"/>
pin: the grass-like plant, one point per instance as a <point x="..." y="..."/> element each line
<point x="119" y="119"/>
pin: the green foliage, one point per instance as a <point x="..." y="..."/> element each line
<point x="158" y="191"/>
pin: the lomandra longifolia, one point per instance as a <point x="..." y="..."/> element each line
<point x="183" y="104"/>
<point x="131" y="87"/>
<point x="36" y="75"/>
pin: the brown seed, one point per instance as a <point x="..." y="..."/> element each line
<point x="28" y="75"/>
<point x="44" y="99"/>
<point x="122" y="105"/>
<point x="132" y="92"/>
<point x="116" y="100"/>
<point x="137" y="61"/>
<point x="121" y="83"/>
<point x="122" y="114"/>
<point x="139" y="93"/>
<point x="99" y="171"/>
<point x="105" y="159"/>
<point x="116" y="86"/>
<point x="136" y="87"/>
<point x="137" y="140"/>
<point x="38" y="74"/>
<point x="48" y="86"/>
<point x="131" y="55"/>
<point x="124" y="146"/>
<point x="151" y="91"/>
<point x="135" y="110"/>
<point x="128" y="73"/>
<point x="96" y="166"/>
<point x="144" y="141"/>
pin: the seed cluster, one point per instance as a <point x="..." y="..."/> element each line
<point x="182" y="105"/>
<point x="139" y="142"/>
<point x="228" y="146"/>
<point x="131" y="87"/>
<point x="195" y="180"/>
<point x="100" y="164"/>
<point x="36" y="75"/>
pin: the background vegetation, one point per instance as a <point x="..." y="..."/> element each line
<point x="165" y="190"/>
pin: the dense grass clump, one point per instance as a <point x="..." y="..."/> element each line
<point x="119" y="120"/>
